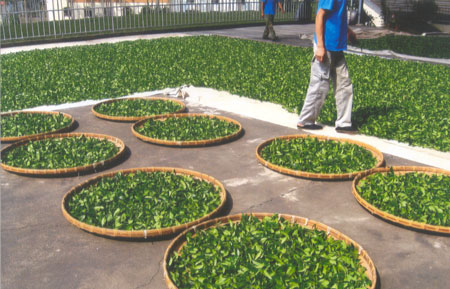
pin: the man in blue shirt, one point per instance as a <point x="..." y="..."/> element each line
<point x="330" y="41"/>
<point x="268" y="9"/>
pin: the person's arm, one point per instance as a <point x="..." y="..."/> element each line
<point x="320" y="19"/>
<point x="262" y="8"/>
<point x="351" y="36"/>
<point x="281" y="7"/>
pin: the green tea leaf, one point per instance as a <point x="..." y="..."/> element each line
<point x="415" y="196"/>
<point x="144" y="201"/>
<point x="318" y="156"/>
<point x="225" y="257"/>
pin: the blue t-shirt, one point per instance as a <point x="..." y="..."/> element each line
<point x="270" y="6"/>
<point x="335" y="24"/>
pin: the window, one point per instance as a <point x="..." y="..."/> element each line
<point x="88" y="12"/>
<point x="127" y="11"/>
<point x="108" y="11"/>
<point x="67" y="12"/>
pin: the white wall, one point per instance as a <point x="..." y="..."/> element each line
<point x="55" y="9"/>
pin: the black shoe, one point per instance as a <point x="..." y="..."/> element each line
<point x="347" y="129"/>
<point x="265" y="37"/>
<point x="275" y="39"/>
<point x="309" y="126"/>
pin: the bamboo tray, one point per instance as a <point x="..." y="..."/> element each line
<point x="389" y="217"/>
<point x="192" y="143"/>
<point x="64" y="171"/>
<point x="134" y="118"/>
<point x="142" y="234"/>
<point x="177" y="244"/>
<point x="346" y="176"/>
<point x="67" y="128"/>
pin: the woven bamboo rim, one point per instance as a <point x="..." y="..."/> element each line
<point x="188" y="143"/>
<point x="399" y="170"/>
<point x="67" y="128"/>
<point x="134" y="118"/>
<point x="177" y="244"/>
<point x="64" y="171"/>
<point x="346" y="176"/>
<point x="142" y="234"/>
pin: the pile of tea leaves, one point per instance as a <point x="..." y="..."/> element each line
<point x="144" y="200"/>
<point x="137" y="107"/>
<point x="57" y="153"/>
<point x="265" y="254"/>
<point x="187" y="128"/>
<point x="318" y="156"/>
<point x="414" y="196"/>
<point x="22" y="123"/>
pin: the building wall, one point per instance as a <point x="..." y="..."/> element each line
<point x="101" y="8"/>
<point x="131" y="2"/>
<point x="58" y="10"/>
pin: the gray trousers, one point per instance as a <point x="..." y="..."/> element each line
<point x="334" y="67"/>
<point x="269" y="27"/>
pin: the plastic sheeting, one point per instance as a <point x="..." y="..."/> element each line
<point x="392" y="54"/>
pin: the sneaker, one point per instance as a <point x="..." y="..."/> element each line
<point x="275" y="39"/>
<point x="347" y="129"/>
<point x="309" y="126"/>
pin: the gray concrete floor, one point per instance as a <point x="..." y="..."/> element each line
<point x="40" y="249"/>
<point x="295" y="34"/>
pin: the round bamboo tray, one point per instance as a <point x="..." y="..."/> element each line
<point x="346" y="176"/>
<point x="399" y="170"/>
<point x="192" y="143"/>
<point x="64" y="171"/>
<point x="67" y="128"/>
<point x="177" y="244"/>
<point x="142" y="234"/>
<point x="134" y="118"/>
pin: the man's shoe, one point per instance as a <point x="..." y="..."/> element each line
<point x="265" y="37"/>
<point x="275" y="39"/>
<point x="347" y="129"/>
<point x="309" y="126"/>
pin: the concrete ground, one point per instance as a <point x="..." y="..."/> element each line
<point x="292" y="34"/>
<point x="445" y="28"/>
<point x="40" y="249"/>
